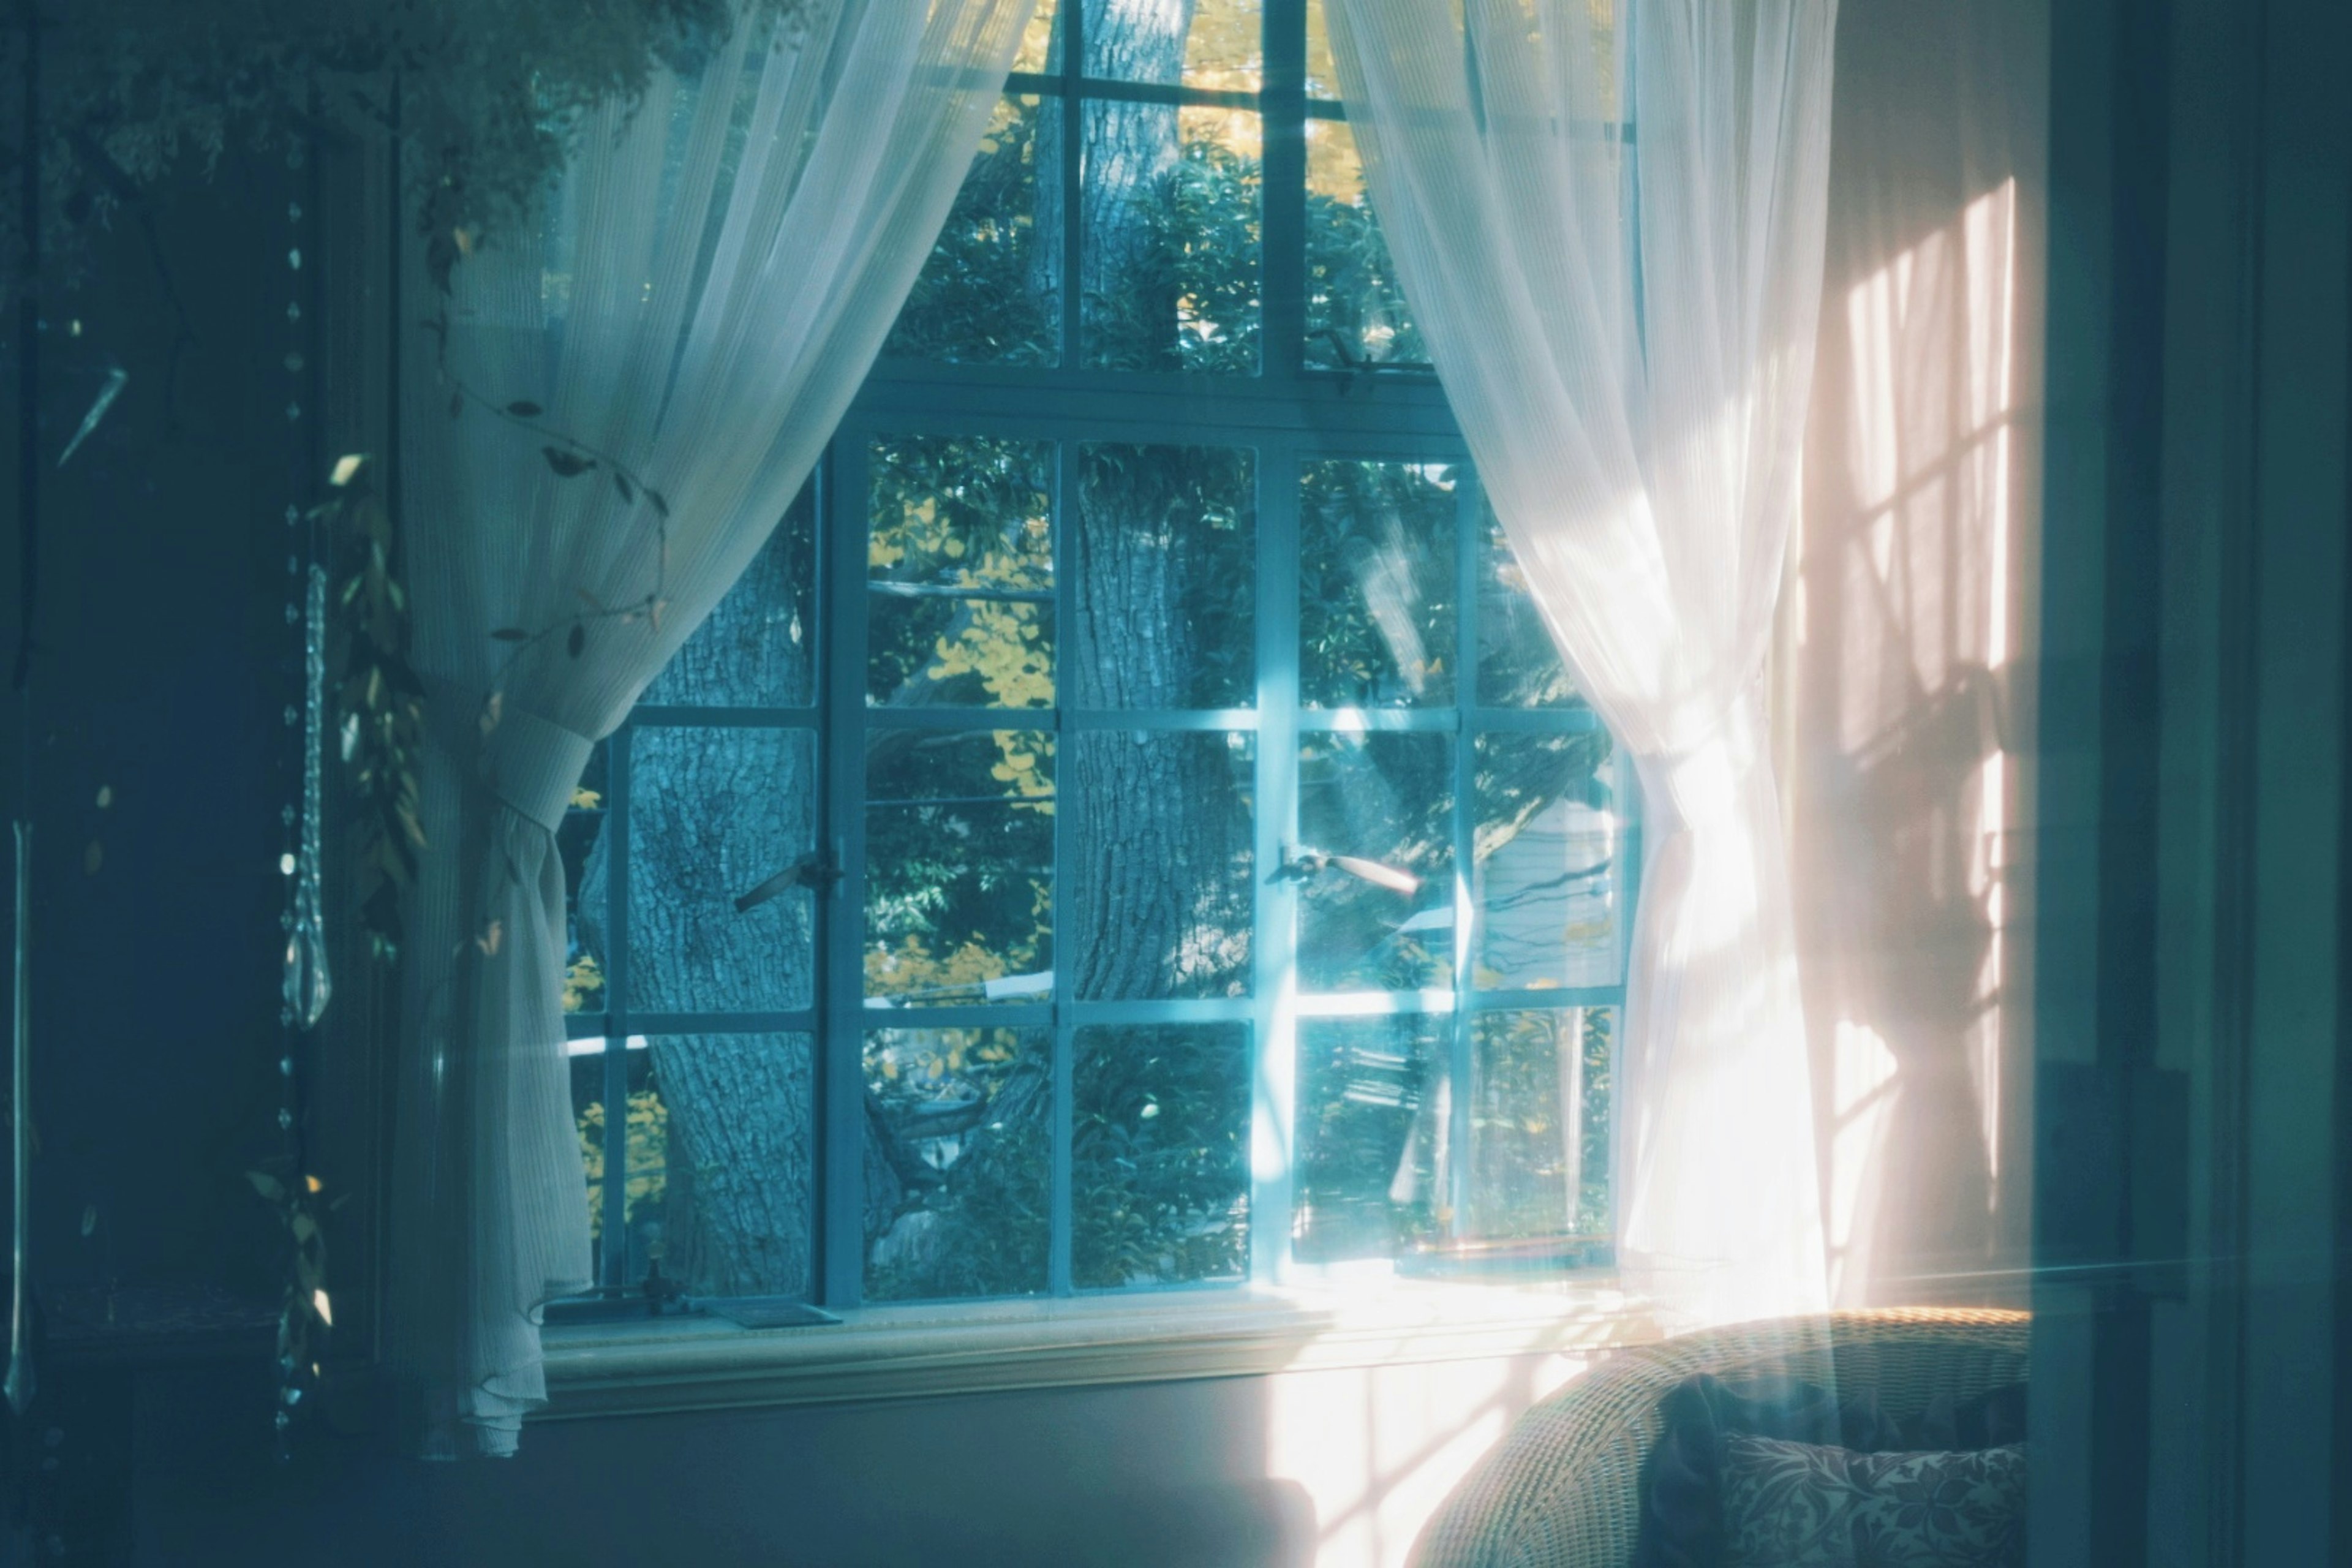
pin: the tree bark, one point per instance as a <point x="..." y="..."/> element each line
<point x="713" y="813"/>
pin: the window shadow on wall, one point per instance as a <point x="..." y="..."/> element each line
<point x="1904" y="627"/>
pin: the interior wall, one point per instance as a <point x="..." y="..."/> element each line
<point x="1336" y="1468"/>
<point x="1907" y="625"/>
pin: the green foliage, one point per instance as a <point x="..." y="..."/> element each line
<point x="977" y="1099"/>
<point x="977" y="298"/>
<point x="1159" y="1158"/>
<point x="489" y="92"/>
<point x="1207" y="238"/>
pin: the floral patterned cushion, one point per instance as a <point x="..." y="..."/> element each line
<point x="1805" y="1505"/>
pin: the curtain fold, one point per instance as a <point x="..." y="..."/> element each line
<point x="1607" y="220"/>
<point x="714" y="275"/>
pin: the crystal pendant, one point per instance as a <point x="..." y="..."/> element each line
<point x="308" y="984"/>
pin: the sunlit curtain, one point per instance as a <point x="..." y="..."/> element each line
<point x="630" y="396"/>
<point x="1608" y="224"/>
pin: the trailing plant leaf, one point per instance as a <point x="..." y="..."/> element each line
<point x="567" y="465"/>
<point x="381" y="698"/>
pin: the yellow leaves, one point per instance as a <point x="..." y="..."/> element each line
<point x="582" y="980"/>
<point x="322" y="1307"/>
<point x="586" y="800"/>
<point x="649" y="1133"/>
<point x="347" y="468"/>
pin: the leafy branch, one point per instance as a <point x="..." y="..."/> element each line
<point x="568" y="457"/>
<point x="308" y="1314"/>
<point x="381" y="698"/>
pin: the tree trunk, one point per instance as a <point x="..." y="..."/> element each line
<point x="713" y="813"/>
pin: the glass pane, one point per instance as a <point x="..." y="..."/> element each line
<point x="1372" y="1136"/>
<point x="716" y="815"/>
<point x="1037" y="44"/>
<point x="758" y="649"/>
<point x="1159" y="880"/>
<point x="1322" y="74"/>
<point x="1165" y="560"/>
<point x="959" y="574"/>
<point x="1219" y="51"/>
<point x="1539" y="1125"/>
<point x="1519" y="664"/>
<point x="579" y="838"/>
<point x="1160" y="1161"/>
<point x="737" y="1115"/>
<point x="1376" y="580"/>
<point x="959" y="856"/>
<point x="958" y="1182"/>
<point x="1356" y="311"/>
<point x="646" y="1177"/>
<point x="990" y="292"/>
<point x="1551" y="882"/>
<point x="1169" y="270"/>
<point x="1375" y="866"/>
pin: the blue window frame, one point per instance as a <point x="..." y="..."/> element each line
<point x="1401" y="1048"/>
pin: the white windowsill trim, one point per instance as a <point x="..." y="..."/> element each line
<point x="901" y="1352"/>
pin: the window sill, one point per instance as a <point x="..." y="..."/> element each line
<point x="899" y="1353"/>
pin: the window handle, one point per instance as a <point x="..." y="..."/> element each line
<point x="817" y="871"/>
<point x="1302" y="865"/>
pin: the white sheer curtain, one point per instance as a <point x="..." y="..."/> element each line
<point x="1625" y="326"/>
<point x="715" y="273"/>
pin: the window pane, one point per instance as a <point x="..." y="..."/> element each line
<point x="1376" y="578"/>
<point x="1371" y="1119"/>
<point x="990" y="292"/>
<point x="578" y="839"/>
<point x="959" y="572"/>
<point x="1539" y="1125"/>
<point x="956" y="1191"/>
<point x="1376" y="862"/>
<point x="1519" y="664"/>
<point x="641" y="1211"/>
<point x="1159" y="882"/>
<point x="1219" y="51"/>
<point x="1165" y="560"/>
<point x="1169" y="272"/>
<point x="1322" y="74"/>
<point x="959" y="846"/>
<point x="1159" y="1169"/>
<point x="1551" y="883"/>
<point x="737" y="1115"/>
<point x="758" y="649"/>
<point x="1356" y="311"/>
<point x="1037" y="44"/>
<point x="715" y="814"/>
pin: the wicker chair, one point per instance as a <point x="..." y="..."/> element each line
<point x="1563" y="1489"/>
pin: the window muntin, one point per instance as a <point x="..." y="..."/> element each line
<point x="1020" y="1071"/>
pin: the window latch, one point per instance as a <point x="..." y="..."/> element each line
<point x="817" y="871"/>
<point x="1303" y="865"/>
